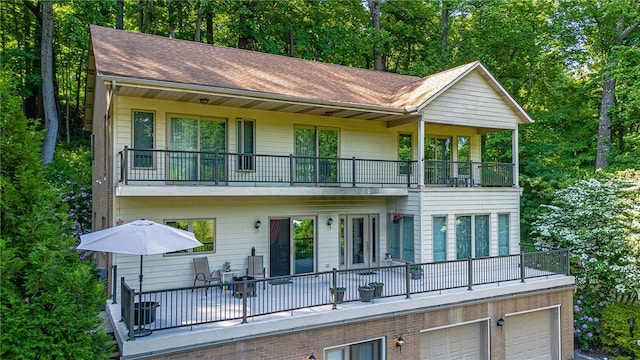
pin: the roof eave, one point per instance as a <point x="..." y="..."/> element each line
<point x="248" y="94"/>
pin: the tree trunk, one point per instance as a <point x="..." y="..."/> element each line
<point x="444" y="32"/>
<point x="607" y="102"/>
<point x="292" y="52"/>
<point x="120" y="14"/>
<point x="172" y="27"/>
<point x="48" y="94"/>
<point x="209" y="22"/>
<point x="199" y="16"/>
<point x="374" y="8"/>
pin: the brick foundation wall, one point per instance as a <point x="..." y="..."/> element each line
<point x="299" y="344"/>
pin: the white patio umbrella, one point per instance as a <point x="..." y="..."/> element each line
<point x="140" y="237"/>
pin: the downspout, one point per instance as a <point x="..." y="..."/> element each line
<point x="515" y="157"/>
<point x="421" y="151"/>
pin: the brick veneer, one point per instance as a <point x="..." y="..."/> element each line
<point x="296" y="345"/>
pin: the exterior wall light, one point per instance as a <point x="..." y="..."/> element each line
<point x="257" y="224"/>
<point x="500" y="323"/>
<point x="399" y="342"/>
<point x="311" y="357"/>
<point x="204" y="101"/>
<point x="329" y="221"/>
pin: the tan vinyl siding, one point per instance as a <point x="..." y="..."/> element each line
<point x="472" y="102"/>
<point x="451" y="202"/>
<point x="235" y="232"/>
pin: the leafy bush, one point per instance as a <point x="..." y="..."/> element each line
<point x="616" y="337"/>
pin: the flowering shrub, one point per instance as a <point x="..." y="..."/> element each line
<point x="599" y="220"/>
<point x="587" y="313"/>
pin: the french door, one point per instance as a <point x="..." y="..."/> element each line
<point x="358" y="244"/>
<point x="291" y="246"/>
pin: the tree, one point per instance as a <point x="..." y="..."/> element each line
<point x="49" y="97"/>
<point x="50" y="298"/>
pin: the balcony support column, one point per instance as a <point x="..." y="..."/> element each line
<point x="514" y="157"/>
<point x="421" y="151"/>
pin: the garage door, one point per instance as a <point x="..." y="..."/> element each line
<point x="532" y="336"/>
<point x="458" y="342"/>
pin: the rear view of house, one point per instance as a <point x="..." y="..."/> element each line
<point x="331" y="176"/>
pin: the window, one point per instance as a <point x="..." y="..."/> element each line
<point x="503" y="234"/>
<point x="439" y="238"/>
<point x="464" y="155"/>
<point x="246" y="144"/>
<point x="463" y="237"/>
<point x="466" y="235"/>
<point x="368" y="350"/>
<point x="143" y="133"/>
<point x="401" y="237"/>
<point x="316" y="151"/>
<point x="196" y="140"/>
<point x="405" y="152"/>
<point x="482" y="235"/>
<point x="204" y="229"/>
<point x="437" y="160"/>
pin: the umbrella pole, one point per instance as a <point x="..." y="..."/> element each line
<point x="140" y="307"/>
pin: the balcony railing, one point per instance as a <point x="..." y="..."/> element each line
<point x="225" y="169"/>
<point x="189" y="306"/>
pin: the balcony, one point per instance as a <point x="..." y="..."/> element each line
<point x="229" y="303"/>
<point x="176" y="167"/>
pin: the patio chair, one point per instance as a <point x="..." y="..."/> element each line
<point x="256" y="268"/>
<point x="204" y="274"/>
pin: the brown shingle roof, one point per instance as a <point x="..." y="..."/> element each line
<point x="143" y="57"/>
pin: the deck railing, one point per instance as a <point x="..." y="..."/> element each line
<point x="240" y="300"/>
<point x="223" y="168"/>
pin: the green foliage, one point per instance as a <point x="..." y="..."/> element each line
<point x="616" y="336"/>
<point x="50" y="298"/>
<point x="597" y="219"/>
<point x="587" y="319"/>
<point x="70" y="175"/>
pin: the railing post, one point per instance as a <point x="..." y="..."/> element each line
<point x="114" y="283"/>
<point x="409" y="171"/>
<point x="407" y="276"/>
<point x="334" y="280"/>
<point x="567" y="261"/>
<point x="522" y="270"/>
<point x="353" y="172"/>
<point x="244" y="295"/>
<point x="125" y="165"/>
<point x="470" y="273"/>
<point x="470" y="173"/>
<point x="291" y="172"/>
